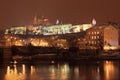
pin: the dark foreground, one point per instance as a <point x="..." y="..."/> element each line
<point x="52" y="70"/>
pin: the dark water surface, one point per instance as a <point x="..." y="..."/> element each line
<point x="82" y="70"/>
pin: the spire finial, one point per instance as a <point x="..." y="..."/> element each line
<point x="93" y="22"/>
<point x="57" y="21"/>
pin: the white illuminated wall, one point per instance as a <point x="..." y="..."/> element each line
<point x="48" y="30"/>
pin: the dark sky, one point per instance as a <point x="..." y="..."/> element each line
<point x="21" y="12"/>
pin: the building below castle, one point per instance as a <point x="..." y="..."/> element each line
<point x="106" y="36"/>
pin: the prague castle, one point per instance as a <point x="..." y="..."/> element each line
<point x="43" y="33"/>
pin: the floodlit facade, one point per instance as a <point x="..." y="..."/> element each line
<point x="42" y="33"/>
<point x="16" y="30"/>
<point x="57" y="29"/>
<point x="106" y="36"/>
<point x="48" y="30"/>
<point x="111" y="38"/>
<point x="86" y="26"/>
<point x="79" y="28"/>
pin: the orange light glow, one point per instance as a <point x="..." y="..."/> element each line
<point x="108" y="69"/>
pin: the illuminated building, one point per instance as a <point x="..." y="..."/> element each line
<point x="42" y="34"/>
<point x="48" y="30"/>
<point x="43" y="26"/>
<point x="86" y="26"/>
<point x="16" y="30"/>
<point x="59" y="35"/>
<point x="83" y="27"/>
<point x="105" y="35"/>
<point x="57" y="29"/>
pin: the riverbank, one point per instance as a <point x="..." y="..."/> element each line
<point x="57" y="54"/>
<point x="60" y="57"/>
<point x="114" y="55"/>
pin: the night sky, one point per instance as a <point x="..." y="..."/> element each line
<point x="22" y="12"/>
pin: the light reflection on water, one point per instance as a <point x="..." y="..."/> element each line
<point x="110" y="70"/>
<point x="12" y="73"/>
<point x="104" y="70"/>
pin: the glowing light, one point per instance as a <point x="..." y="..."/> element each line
<point x="52" y="61"/>
<point x="108" y="69"/>
<point x="93" y="22"/>
<point x="111" y="47"/>
<point x="13" y="74"/>
<point x="32" y="70"/>
<point x="23" y="69"/>
<point x="86" y="26"/>
<point x="37" y="42"/>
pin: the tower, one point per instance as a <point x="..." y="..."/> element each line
<point x="93" y="22"/>
<point x="57" y="21"/>
<point x="35" y="21"/>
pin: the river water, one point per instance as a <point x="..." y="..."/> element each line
<point x="81" y="70"/>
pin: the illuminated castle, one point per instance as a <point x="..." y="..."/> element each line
<point x="44" y="27"/>
<point x="95" y="36"/>
<point x="36" y="34"/>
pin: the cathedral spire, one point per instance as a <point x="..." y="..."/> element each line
<point x="35" y="21"/>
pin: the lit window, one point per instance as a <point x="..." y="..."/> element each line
<point x="88" y="32"/>
<point x="92" y="37"/>
<point x="97" y="32"/>
<point x="92" y="42"/>
<point x="98" y="37"/>
<point x="95" y="42"/>
<point x="95" y="37"/>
